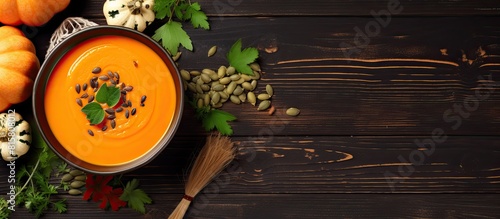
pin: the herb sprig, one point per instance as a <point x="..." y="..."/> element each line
<point x="106" y="94"/>
<point x="172" y="34"/>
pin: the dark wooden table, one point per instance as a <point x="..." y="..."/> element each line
<point x="400" y="117"/>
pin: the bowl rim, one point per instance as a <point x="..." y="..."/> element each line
<point x="62" y="49"/>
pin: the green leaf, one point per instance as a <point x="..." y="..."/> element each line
<point x="198" y="17"/>
<point x="218" y="119"/>
<point x="171" y="35"/>
<point x="60" y="206"/>
<point x="109" y="95"/>
<point x="240" y="59"/>
<point x="163" y="8"/>
<point x="135" y="197"/>
<point x="94" y="112"/>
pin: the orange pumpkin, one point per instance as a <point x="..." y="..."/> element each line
<point x="18" y="67"/>
<point x="30" y="12"/>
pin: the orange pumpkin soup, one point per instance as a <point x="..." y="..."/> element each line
<point x="130" y="128"/>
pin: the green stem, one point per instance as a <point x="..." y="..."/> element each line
<point x="173" y="10"/>
<point x="29" y="178"/>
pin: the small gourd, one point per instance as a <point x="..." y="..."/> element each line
<point x="15" y="136"/>
<point x="135" y="14"/>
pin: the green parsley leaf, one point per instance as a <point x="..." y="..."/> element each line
<point x="171" y="35"/>
<point x="240" y="59"/>
<point x="135" y="197"/>
<point x="218" y="119"/>
<point x="163" y="8"/>
<point x="94" y="112"/>
<point x="109" y="95"/>
<point x="60" y="206"/>
<point x="198" y="18"/>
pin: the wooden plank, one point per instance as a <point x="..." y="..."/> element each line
<point x="300" y="206"/>
<point x="302" y="164"/>
<point x="225" y="8"/>
<point x="398" y="84"/>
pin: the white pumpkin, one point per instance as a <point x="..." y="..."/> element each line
<point x="135" y="14"/>
<point x="18" y="131"/>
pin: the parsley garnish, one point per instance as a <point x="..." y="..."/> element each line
<point x="240" y="59"/>
<point x="94" y="112"/>
<point x="214" y="118"/>
<point x="171" y="34"/>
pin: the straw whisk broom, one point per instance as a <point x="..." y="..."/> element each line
<point x="215" y="155"/>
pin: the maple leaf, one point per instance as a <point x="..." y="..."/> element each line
<point x="218" y="119"/>
<point x="240" y="59"/>
<point x="171" y="35"/>
<point x="198" y="18"/>
<point x="113" y="198"/>
<point x="135" y="197"/>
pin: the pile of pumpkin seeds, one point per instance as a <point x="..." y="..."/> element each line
<point x="76" y="180"/>
<point x="216" y="87"/>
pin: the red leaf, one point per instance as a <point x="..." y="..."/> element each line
<point x="98" y="188"/>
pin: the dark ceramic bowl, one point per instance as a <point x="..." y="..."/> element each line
<point x="46" y="71"/>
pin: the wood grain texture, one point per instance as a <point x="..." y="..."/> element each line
<point x="300" y="206"/>
<point x="225" y="8"/>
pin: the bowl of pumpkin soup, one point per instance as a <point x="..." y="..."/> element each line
<point x="108" y="99"/>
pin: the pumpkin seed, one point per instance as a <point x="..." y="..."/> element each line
<point x="185" y="75"/>
<point x="230" y="70"/>
<point x="243" y="97"/>
<point x="207" y="71"/>
<point x="84" y="87"/>
<point x="195" y="73"/>
<point x="81" y="178"/>
<point x="292" y="111"/>
<point x="192" y="87"/>
<point x="128" y="88"/>
<point x="126" y="114"/>
<point x="223" y="95"/>
<point x="214" y="76"/>
<point x="269" y="90"/>
<point x="212" y="51"/>
<point x="235" y="99"/>
<point x="104" y="128"/>
<point x="223" y="100"/>
<point x="246" y="77"/>
<point x="254" y="84"/>
<point x="198" y="89"/>
<point x="112" y="81"/>
<point x="230" y="88"/>
<point x="76" y="172"/>
<point x="247" y="86"/>
<point x="136" y="63"/>
<point x="96" y="70"/>
<point x="110" y="117"/>
<point x="238" y="90"/>
<point x="67" y="177"/>
<point x="205" y="78"/>
<point x="77" y="88"/>
<point x="91" y="133"/>
<point x="110" y="74"/>
<point x="104" y="78"/>
<point x="218" y="87"/>
<point x="113" y="124"/>
<point x="264" y="105"/>
<point x="184" y="85"/>
<point x="235" y="77"/>
<point x="176" y="56"/>
<point x="205" y="87"/>
<point x="133" y="111"/>
<point x="124" y="105"/>
<point x="255" y="76"/>
<point x="199" y="104"/>
<point x="199" y="81"/>
<point x="119" y="109"/>
<point x="75" y="192"/>
<point x="129" y="103"/>
<point x="221" y="72"/>
<point x="251" y="98"/>
<point x="110" y="110"/>
<point x="143" y="98"/>
<point x="255" y="66"/>
<point x="91" y="98"/>
<point x="206" y="100"/>
<point x="76" y="184"/>
<point x="79" y="102"/>
<point x="117" y="76"/>
<point x="240" y="81"/>
<point x="218" y="105"/>
<point x="263" y="96"/>
<point x="215" y="98"/>
<point x="225" y="80"/>
<point x="85" y="95"/>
